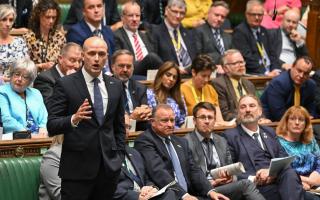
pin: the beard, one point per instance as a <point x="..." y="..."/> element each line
<point x="249" y="118"/>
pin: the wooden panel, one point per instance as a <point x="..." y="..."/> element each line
<point x="313" y="33"/>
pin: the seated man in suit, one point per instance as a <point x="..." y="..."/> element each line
<point x="111" y="17"/>
<point x="136" y="104"/>
<point x="292" y="87"/>
<point x="255" y="146"/>
<point x="254" y="42"/>
<point x="172" y="40"/>
<point x="290" y="44"/>
<point x="69" y="61"/>
<point x="138" y="43"/>
<point x="133" y="183"/>
<point x="91" y="25"/>
<point x="210" y="151"/>
<point x="168" y="158"/>
<point x="212" y="40"/>
<point x="231" y="86"/>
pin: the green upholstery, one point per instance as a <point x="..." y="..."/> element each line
<point x="236" y="18"/>
<point x="64" y="8"/>
<point x="19" y="178"/>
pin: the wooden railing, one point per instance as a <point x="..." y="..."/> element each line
<point x="36" y="147"/>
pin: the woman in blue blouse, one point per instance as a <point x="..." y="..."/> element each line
<point x="22" y="107"/>
<point x="11" y="47"/>
<point x="296" y="136"/>
<point x="166" y="90"/>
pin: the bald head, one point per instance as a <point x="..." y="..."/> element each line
<point x="95" y="55"/>
<point x="290" y="20"/>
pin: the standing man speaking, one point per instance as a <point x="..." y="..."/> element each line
<point x="87" y="107"/>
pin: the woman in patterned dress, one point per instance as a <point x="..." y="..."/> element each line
<point x="166" y="90"/>
<point x="11" y="47"/>
<point x="44" y="37"/>
<point x="295" y="134"/>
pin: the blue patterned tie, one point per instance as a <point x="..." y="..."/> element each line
<point x="98" y="103"/>
<point x="176" y="165"/>
<point x="217" y="37"/>
<point x="183" y="54"/>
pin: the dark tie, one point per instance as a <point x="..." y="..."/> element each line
<point x="240" y="89"/>
<point x="176" y="165"/>
<point x="211" y="164"/>
<point x="217" y="37"/>
<point x="256" y="138"/>
<point x="183" y="54"/>
<point x="96" y="32"/>
<point x="98" y="103"/>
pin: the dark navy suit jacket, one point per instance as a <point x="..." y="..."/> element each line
<point x="240" y="147"/>
<point x="79" y="32"/>
<point x="279" y="96"/>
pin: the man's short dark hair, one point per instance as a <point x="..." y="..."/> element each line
<point x="306" y="59"/>
<point x="204" y="105"/>
<point x="160" y="106"/>
<point x="118" y="53"/>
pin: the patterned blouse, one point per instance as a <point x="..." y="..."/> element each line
<point x="9" y="53"/>
<point x="42" y="52"/>
<point x="180" y="114"/>
<point x="307" y="156"/>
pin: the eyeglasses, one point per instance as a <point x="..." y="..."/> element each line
<point x="242" y="62"/>
<point x="176" y="12"/>
<point x="205" y="117"/>
<point x="122" y="66"/>
<point x="23" y="76"/>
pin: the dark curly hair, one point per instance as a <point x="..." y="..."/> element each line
<point x="39" y="9"/>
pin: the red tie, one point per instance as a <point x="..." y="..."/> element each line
<point x="137" y="47"/>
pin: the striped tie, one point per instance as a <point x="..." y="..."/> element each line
<point x="217" y="37"/>
<point x="137" y="47"/>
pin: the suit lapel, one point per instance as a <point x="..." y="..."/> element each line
<point x="132" y="92"/>
<point x="109" y="86"/>
<point x="126" y="39"/>
<point x="231" y="90"/>
<point x="267" y="141"/>
<point x="144" y="39"/>
<point x="246" y="140"/>
<point x="181" y="155"/>
<point x="167" y="37"/>
<point x="134" y="165"/>
<point x="199" y="151"/>
<point x="220" y="149"/>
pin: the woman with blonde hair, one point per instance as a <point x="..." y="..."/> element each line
<point x="166" y="90"/>
<point x="295" y="134"/>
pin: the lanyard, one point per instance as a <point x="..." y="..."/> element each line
<point x="177" y="44"/>
<point x="262" y="53"/>
<point x="195" y="94"/>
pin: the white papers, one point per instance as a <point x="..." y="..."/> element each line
<point x="151" y="74"/>
<point x="278" y="164"/>
<point x="162" y="190"/>
<point x="232" y="169"/>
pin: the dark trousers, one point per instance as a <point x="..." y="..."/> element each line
<point x="99" y="188"/>
<point x="286" y="187"/>
<point x="151" y="61"/>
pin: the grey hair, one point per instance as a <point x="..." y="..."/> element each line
<point x="227" y="53"/>
<point x="27" y="65"/>
<point x="252" y="3"/>
<point x="160" y="106"/>
<point x="7" y="9"/>
<point x="64" y="50"/>
<point x="178" y="3"/>
<point x="132" y="2"/>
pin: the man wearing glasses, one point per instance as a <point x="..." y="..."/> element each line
<point x="211" y="151"/>
<point x="168" y="159"/>
<point x="254" y="42"/>
<point x="231" y="86"/>
<point x="172" y="40"/>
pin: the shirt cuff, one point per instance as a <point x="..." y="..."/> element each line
<point x="72" y="124"/>
<point x="251" y="178"/>
<point x="212" y="190"/>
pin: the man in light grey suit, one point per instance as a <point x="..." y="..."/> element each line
<point x="210" y="151"/>
<point x="212" y="39"/>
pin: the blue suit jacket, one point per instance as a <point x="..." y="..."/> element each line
<point x="79" y="32"/>
<point x="279" y="96"/>
<point x="13" y="108"/>
<point x="240" y="148"/>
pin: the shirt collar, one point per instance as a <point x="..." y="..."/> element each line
<point x="169" y="27"/>
<point x="130" y="32"/>
<point x="59" y="71"/>
<point x="92" y="28"/>
<point x="88" y="78"/>
<point x="200" y="137"/>
<point x="249" y="132"/>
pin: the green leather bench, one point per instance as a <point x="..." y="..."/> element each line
<point x="19" y="178"/>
